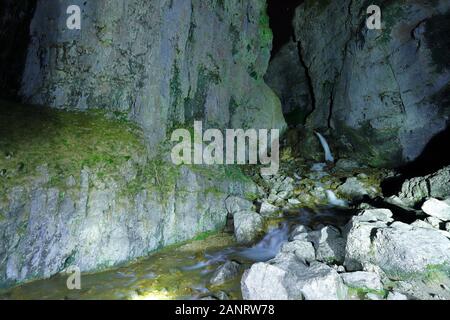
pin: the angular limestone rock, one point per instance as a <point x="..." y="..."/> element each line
<point x="248" y="226"/>
<point x="225" y="272"/>
<point x="363" y="280"/>
<point x="285" y="278"/>
<point x="438" y="209"/>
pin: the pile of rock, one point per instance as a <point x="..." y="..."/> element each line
<point x="436" y="185"/>
<point x="281" y="189"/>
<point x="285" y="192"/>
<point x="373" y="257"/>
<point x="426" y="192"/>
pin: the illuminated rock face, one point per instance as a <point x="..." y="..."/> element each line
<point x="383" y="93"/>
<point x="95" y="226"/>
<point x="164" y="63"/>
<point x="78" y="189"/>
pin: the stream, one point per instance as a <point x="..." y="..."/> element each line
<point x="182" y="271"/>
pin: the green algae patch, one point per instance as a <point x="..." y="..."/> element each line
<point x="38" y="142"/>
<point x="266" y="34"/>
<point x="435" y="274"/>
<point x="431" y="274"/>
<point x="222" y="173"/>
<point x="204" y="235"/>
<point x="156" y="175"/>
<point x="361" y="293"/>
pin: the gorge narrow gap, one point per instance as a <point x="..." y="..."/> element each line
<point x="281" y="14"/>
<point x="308" y="78"/>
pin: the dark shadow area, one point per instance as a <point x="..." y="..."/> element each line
<point x="281" y="14"/>
<point x="399" y="213"/>
<point x="15" y="18"/>
<point x="435" y="156"/>
<point x="22" y="125"/>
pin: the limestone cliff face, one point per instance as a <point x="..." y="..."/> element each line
<point x="382" y="93"/>
<point x="78" y="189"/>
<point x="286" y="75"/>
<point x="94" y="223"/>
<point x="163" y="62"/>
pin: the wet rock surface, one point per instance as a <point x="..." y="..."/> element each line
<point x="248" y="226"/>
<point x="225" y="272"/>
<point x="435" y="185"/>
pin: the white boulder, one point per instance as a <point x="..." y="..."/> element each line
<point x="437" y="208"/>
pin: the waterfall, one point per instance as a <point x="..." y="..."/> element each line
<point x="264" y="250"/>
<point x="326" y="147"/>
<point x="269" y="246"/>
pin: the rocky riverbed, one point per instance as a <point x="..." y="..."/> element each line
<point x="395" y="247"/>
<point x="345" y="247"/>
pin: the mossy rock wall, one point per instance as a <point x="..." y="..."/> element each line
<point x="163" y="63"/>
<point x="78" y="189"/>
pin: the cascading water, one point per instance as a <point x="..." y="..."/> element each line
<point x="269" y="246"/>
<point x="326" y="148"/>
<point x="334" y="200"/>
<point x="264" y="250"/>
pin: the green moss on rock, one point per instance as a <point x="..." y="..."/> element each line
<point x="266" y="34"/>
<point x="38" y="142"/>
<point x="373" y="146"/>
